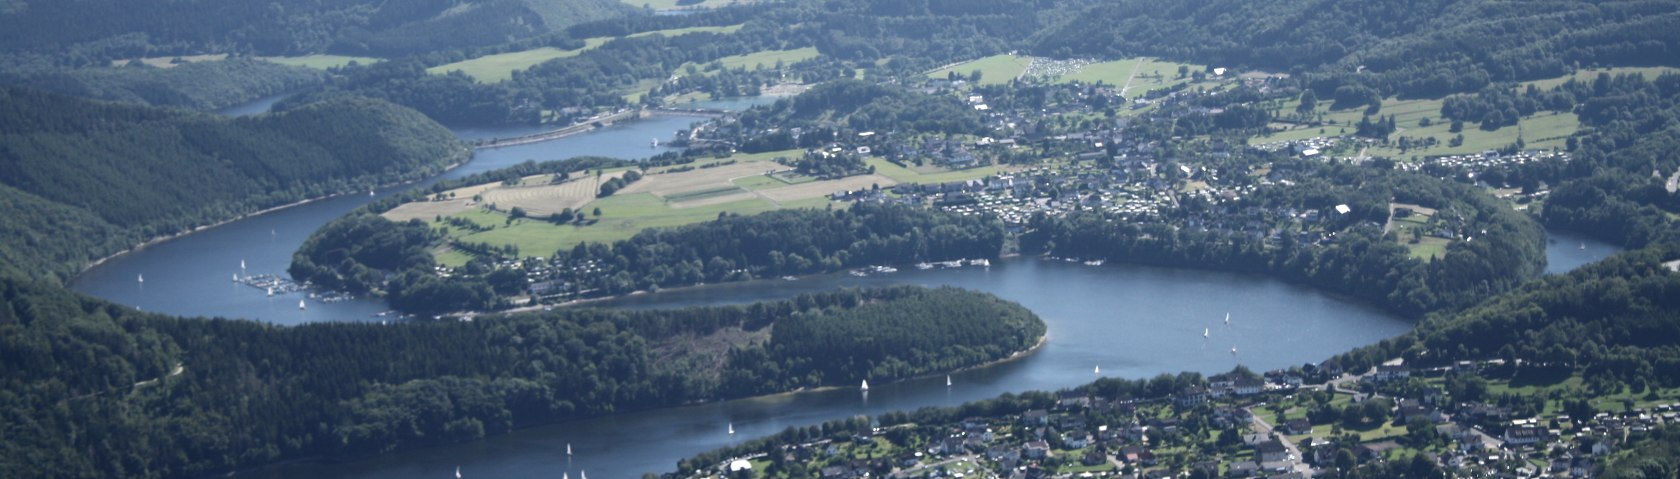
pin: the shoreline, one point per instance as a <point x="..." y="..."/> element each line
<point x="170" y="237"/>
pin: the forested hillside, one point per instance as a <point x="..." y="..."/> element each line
<point x="198" y="85"/>
<point x="92" y="32"/>
<point x="1427" y="48"/>
<point x="1616" y="322"/>
<point x="98" y="390"/>
<point x="134" y="172"/>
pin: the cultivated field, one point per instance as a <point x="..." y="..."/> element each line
<point x="670" y="184"/>
<point x="461" y="201"/>
<point x="660" y="199"/>
<point x="546" y="199"/>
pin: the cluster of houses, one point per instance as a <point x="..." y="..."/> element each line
<point x="1127" y="438"/>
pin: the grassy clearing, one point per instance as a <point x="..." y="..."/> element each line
<point x="684" y="31"/>
<point x="172" y="61"/>
<point x="672" y="4"/>
<point x="500" y="67"/>
<point x="931" y="174"/>
<point x="703" y="194"/>
<point x="1155" y="74"/>
<point x="1650" y="73"/>
<point x="1542" y="130"/>
<point x="623" y="216"/>
<point x="761" y="182"/>
<point x="1110" y="73"/>
<point x="994" y="70"/>
<point x="768" y="58"/>
<point x="322" y="62"/>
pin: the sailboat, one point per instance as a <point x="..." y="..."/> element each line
<point x="582" y="475"/>
<point x="1233" y="350"/>
<point x="731" y="429"/>
<point x="947" y="380"/>
<point x="1227" y="319"/>
<point x="242" y="265"/>
<point x="457" y="472"/>
<point x="866" y="384"/>
<point x="141" y="278"/>
<point x="236" y="278"/>
<point x="1204" y="332"/>
<point x="1097" y="370"/>
<point x="271" y="291"/>
<point x="301" y="305"/>
<point x="1583" y="246"/>
<point x="568" y="449"/>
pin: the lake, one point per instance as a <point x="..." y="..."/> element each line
<point x="1131" y="321"/>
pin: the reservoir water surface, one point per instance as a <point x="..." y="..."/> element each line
<point x="1131" y="321"/>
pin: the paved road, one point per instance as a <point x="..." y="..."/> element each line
<point x="1260" y="426"/>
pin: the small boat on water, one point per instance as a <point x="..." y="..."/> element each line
<point x="457" y="472"/>
<point x="866" y="384"/>
<point x="947" y="380"/>
<point x="1233" y="350"/>
<point x="271" y="291"/>
<point x="568" y="449"/>
<point x="1096" y="370"/>
<point x="302" y="306"/>
<point x="731" y="429"/>
<point x="1204" y="332"/>
<point x="242" y="265"/>
<point x="236" y="278"/>
<point x="1227" y="319"/>
<point x="1583" y="246"/>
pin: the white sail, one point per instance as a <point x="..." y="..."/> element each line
<point x="947" y="380"/>
<point x="1096" y="370"/>
<point x="866" y="384"/>
<point x="241" y="265"/>
<point x="301" y="305"/>
<point x="1227" y="318"/>
<point x="236" y="278"/>
<point x="141" y="278"/>
<point x="1233" y="350"/>
<point x="731" y="429"/>
<point x="457" y="472"/>
<point x="1204" y="332"/>
<point x="271" y="291"/>
<point x="568" y="449"/>
<point x="582" y="475"/>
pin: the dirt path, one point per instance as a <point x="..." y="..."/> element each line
<point x="1129" y="78"/>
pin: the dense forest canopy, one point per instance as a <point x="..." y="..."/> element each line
<point x="92" y="32"/>
<point x="98" y="177"/>
<point x="1410" y="48"/>
<point x="99" y="390"/>
<point x="197" y="85"/>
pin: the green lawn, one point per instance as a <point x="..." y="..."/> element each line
<point x="994" y="70"/>
<point x="322" y="62"/>
<point x="703" y="194"/>
<point x="500" y="67"/>
<point x="929" y="174"/>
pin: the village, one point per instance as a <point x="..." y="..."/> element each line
<point x="1236" y="425"/>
